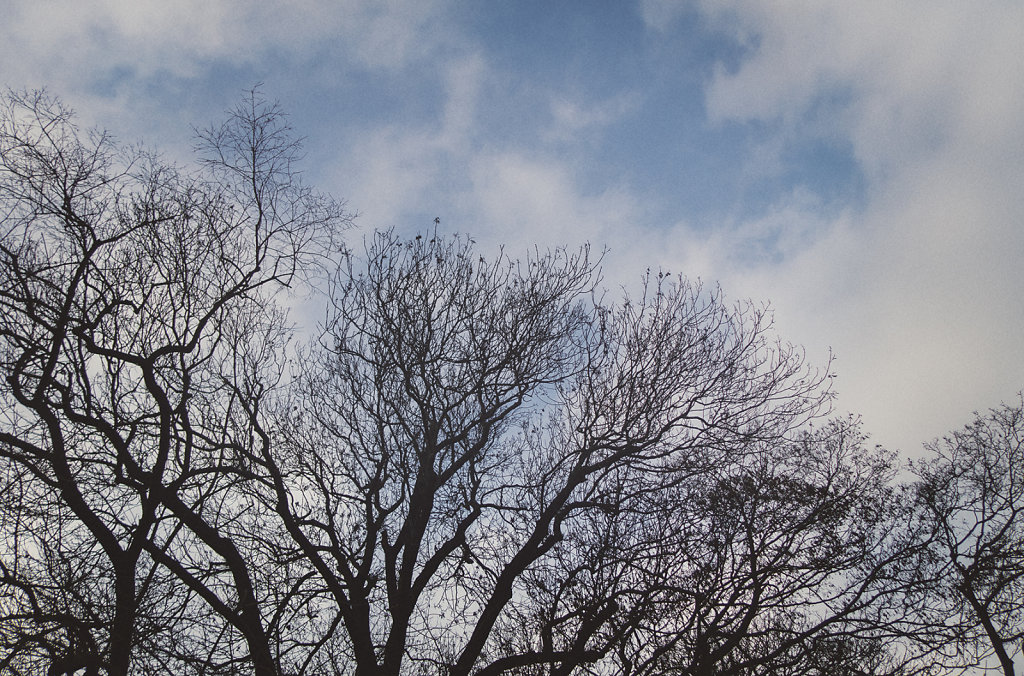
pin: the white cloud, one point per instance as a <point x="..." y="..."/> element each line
<point x="920" y="295"/>
<point x="914" y="74"/>
<point x="536" y="200"/>
<point x="109" y="56"/>
<point x="398" y="169"/>
<point x="573" y="117"/>
<point x="515" y="192"/>
<point x="660" y="14"/>
<point x="150" y="35"/>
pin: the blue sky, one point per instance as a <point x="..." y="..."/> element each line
<point x="860" y="165"/>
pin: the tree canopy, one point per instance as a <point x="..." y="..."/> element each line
<point x="479" y="464"/>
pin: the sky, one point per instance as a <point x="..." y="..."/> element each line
<point x="858" y="165"/>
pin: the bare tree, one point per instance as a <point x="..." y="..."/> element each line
<point x="470" y="425"/>
<point x="482" y="466"/>
<point x="136" y="303"/>
<point x="970" y="499"/>
<point x="775" y="562"/>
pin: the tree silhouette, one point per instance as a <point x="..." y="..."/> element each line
<point x="470" y="434"/>
<point x="970" y="500"/>
<point x="136" y="302"/>
<point x="478" y="465"/>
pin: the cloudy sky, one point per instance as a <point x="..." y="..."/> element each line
<point x="860" y="165"/>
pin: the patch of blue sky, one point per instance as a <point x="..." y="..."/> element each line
<point x="109" y="83"/>
<point x="658" y="143"/>
<point x="559" y="45"/>
<point x="827" y="169"/>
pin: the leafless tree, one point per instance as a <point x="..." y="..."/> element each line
<point x="775" y="562"/>
<point x="970" y="500"/>
<point x="470" y="426"/>
<point x="136" y="305"/>
<point x="482" y="465"/>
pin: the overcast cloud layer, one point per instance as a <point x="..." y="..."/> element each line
<point x="860" y="165"/>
